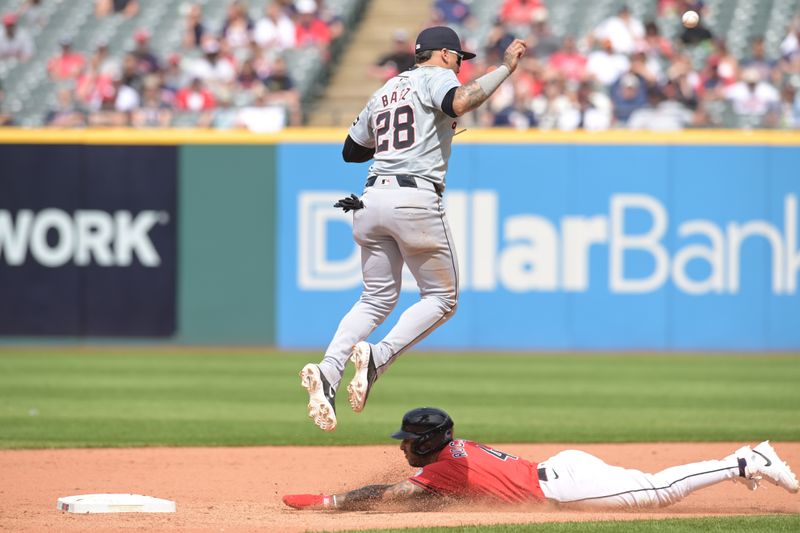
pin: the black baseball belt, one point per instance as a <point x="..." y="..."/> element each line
<point x="542" y="474"/>
<point x="403" y="180"/>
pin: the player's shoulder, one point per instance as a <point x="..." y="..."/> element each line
<point x="454" y="450"/>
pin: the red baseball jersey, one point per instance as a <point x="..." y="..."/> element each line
<point x="466" y="468"/>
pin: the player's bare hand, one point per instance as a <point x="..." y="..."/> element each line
<point x="514" y="51"/>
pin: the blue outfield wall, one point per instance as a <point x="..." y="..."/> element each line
<point x="570" y="246"/>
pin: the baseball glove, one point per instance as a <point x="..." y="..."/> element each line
<point x="308" y="501"/>
<point x="351" y="203"/>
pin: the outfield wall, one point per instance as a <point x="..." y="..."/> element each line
<point x="607" y="241"/>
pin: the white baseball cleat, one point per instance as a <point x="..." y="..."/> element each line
<point x="765" y="463"/>
<point x="366" y="374"/>
<point x="321" y="397"/>
<point x="762" y="462"/>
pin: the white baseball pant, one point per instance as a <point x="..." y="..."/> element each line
<point x="581" y="479"/>
<point x="398" y="225"/>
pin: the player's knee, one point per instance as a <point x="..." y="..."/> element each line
<point x="451" y="300"/>
<point x="383" y="305"/>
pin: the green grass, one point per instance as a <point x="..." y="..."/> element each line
<point x="751" y="524"/>
<point x="146" y="397"/>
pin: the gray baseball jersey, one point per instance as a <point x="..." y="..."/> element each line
<point x="404" y="122"/>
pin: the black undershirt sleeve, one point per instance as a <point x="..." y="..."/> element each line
<point x="352" y="152"/>
<point x="447" y="102"/>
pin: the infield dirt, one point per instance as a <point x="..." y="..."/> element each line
<point x="240" y="489"/>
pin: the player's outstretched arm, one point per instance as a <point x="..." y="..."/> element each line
<point x="359" y="499"/>
<point x="474" y="93"/>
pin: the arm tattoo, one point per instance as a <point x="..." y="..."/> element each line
<point x="404" y="489"/>
<point x="360" y="498"/>
<point x="365" y="497"/>
<point x="469" y="97"/>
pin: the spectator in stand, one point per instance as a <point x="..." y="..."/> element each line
<point x="660" y="114"/>
<point x="282" y="91"/>
<point x="129" y="71"/>
<point x="107" y="115"/>
<point x="6" y="118"/>
<point x="529" y="76"/>
<point x="606" y="65"/>
<point x="194" y="29"/>
<point x="518" y="115"/>
<point x="173" y="77"/>
<point x="67" y="64"/>
<point x="216" y="72"/>
<point x="674" y="8"/>
<point x="758" y="59"/>
<point x="589" y="110"/>
<point x="625" y="31"/>
<point x="146" y="60"/>
<point x="248" y="77"/>
<point x="153" y="112"/>
<point x="287" y="6"/>
<point x="628" y="94"/>
<point x="726" y="63"/>
<point x="66" y="114"/>
<point x="700" y="33"/>
<point x="789" y="108"/>
<point x="127" y="96"/>
<point x="520" y="12"/>
<point x="262" y="115"/>
<point x="753" y="97"/>
<point x="96" y="83"/>
<point x="129" y="8"/>
<point x="454" y="12"/>
<point x="684" y="81"/>
<point x="551" y="104"/>
<point x="236" y="30"/>
<point x="195" y="97"/>
<point x="275" y="30"/>
<point x="224" y="116"/>
<point x="791" y="44"/>
<point x="400" y="59"/>
<point x="641" y="68"/>
<point x="310" y="30"/>
<point x="541" y="40"/>
<point x="33" y="14"/>
<point x="712" y="86"/>
<point x="655" y="45"/>
<point x="262" y="59"/>
<point x="15" y="42"/>
<point x="103" y="61"/>
<point x="497" y="41"/>
<point x="569" y="61"/>
<point x="331" y="19"/>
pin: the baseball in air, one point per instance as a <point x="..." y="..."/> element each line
<point x="690" y="19"/>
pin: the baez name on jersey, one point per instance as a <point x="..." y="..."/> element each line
<point x="394" y="98"/>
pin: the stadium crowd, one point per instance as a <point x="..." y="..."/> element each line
<point x="623" y="74"/>
<point x="229" y="77"/>
<point x="626" y="74"/>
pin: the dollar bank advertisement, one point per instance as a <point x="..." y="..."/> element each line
<point x="566" y="246"/>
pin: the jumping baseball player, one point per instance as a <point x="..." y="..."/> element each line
<point x="462" y="469"/>
<point x="407" y="128"/>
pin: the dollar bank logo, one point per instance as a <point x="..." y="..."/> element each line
<point x="53" y="237"/>
<point x="530" y="253"/>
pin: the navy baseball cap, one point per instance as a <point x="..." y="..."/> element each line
<point x="439" y="37"/>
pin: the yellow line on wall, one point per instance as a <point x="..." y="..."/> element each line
<point x="337" y="135"/>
